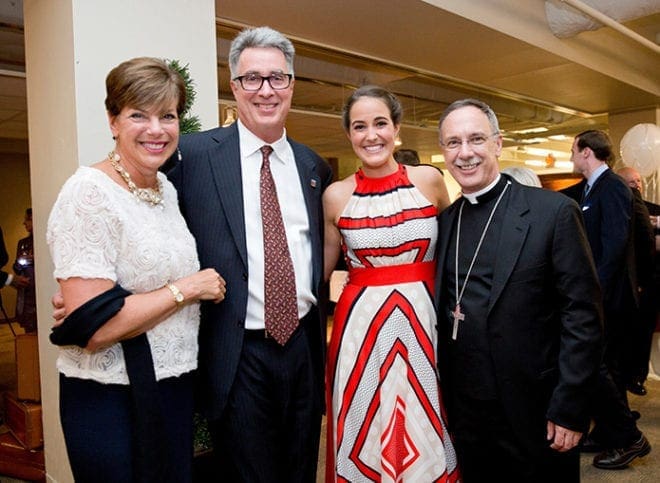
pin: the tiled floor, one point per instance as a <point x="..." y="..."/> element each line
<point x="642" y="469"/>
<point x="645" y="469"/>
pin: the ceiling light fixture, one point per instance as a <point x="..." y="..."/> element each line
<point x="534" y="140"/>
<point x="564" y="165"/>
<point x="544" y="152"/>
<point x="533" y="130"/>
<point x="560" y="137"/>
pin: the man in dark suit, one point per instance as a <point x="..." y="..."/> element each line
<point x="518" y="313"/>
<point x="639" y="336"/>
<point x="607" y="208"/>
<point x="263" y="398"/>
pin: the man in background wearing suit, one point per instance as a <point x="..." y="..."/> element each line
<point x="518" y="313"/>
<point x="607" y="208"/>
<point x="639" y="337"/>
<point x="262" y="395"/>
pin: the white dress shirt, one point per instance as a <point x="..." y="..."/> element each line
<point x="294" y="213"/>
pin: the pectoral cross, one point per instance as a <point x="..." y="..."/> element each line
<point x="458" y="317"/>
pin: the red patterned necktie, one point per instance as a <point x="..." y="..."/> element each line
<point x="281" y="304"/>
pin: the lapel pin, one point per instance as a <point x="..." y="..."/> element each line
<point x="313" y="183"/>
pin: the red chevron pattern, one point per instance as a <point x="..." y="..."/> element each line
<point x="385" y="419"/>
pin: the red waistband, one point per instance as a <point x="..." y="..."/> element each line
<point x="392" y="274"/>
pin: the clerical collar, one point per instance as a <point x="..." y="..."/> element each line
<point x="485" y="194"/>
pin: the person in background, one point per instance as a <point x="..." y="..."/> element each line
<point x="262" y="350"/>
<point x="382" y="382"/>
<point x="408" y="157"/>
<point x="523" y="175"/>
<point x="26" y="300"/>
<point x="639" y="335"/>
<point x="606" y="203"/>
<point x="6" y="278"/>
<point x="128" y="270"/>
<point x="518" y="313"/>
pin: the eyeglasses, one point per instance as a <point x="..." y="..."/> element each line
<point x="254" y="82"/>
<point x="472" y="141"/>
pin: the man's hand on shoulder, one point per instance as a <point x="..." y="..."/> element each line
<point x="59" y="312"/>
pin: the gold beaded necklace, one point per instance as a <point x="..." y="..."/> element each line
<point x="150" y="195"/>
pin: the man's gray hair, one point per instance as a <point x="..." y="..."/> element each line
<point x="482" y="106"/>
<point x="260" y="37"/>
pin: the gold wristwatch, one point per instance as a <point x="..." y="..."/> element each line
<point x="178" y="296"/>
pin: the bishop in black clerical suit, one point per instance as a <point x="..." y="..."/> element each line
<point x="519" y="314"/>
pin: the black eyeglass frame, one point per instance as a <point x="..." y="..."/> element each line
<point x="264" y="78"/>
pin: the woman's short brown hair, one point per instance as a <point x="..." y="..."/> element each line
<point x="143" y="83"/>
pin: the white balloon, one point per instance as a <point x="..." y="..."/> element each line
<point x="640" y="148"/>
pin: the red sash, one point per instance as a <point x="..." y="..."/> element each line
<point x="392" y="274"/>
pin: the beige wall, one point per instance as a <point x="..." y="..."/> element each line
<point x="619" y="124"/>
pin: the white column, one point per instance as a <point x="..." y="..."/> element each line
<point x="70" y="47"/>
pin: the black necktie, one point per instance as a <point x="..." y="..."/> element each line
<point x="586" y="190"/>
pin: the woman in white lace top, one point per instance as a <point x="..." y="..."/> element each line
<point x="116" y="225"/>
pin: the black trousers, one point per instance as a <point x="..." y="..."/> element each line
<point x="270" y="429"/>
<point x="97" y="421"/>
<point x="614" y="426"/>
<point x="488" y="449"/>
<point x="639" y="339"/>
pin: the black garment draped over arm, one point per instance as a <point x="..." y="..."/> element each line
<point x="149" y="439"/>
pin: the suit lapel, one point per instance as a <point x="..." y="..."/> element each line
<point x="225" y="162"/>
<point x="311" y="189"/>
<point x="512" y="238"/>
<point x="445" y="228"/>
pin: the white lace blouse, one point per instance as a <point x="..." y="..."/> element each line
<point x="97" y="229"/>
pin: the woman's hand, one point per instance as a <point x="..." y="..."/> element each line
<point x="206" y="284"/>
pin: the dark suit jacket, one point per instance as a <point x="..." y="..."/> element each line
<point x="208" y="182"/>
<point x="653" y="208"/>
<point x="644" y="241"/>
<point x="544" y="314"/>
<point x="607" y="212"/>
<point x="4" y="258"/>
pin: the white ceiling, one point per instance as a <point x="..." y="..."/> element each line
<point x="429" y="53"/>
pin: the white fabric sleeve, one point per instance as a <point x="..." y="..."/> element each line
<point x="84" y="231"/>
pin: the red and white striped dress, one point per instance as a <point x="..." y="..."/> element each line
<point x="385" y="414"/>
